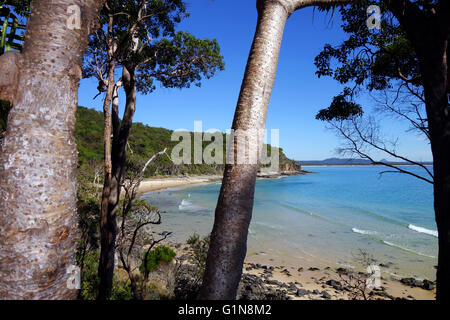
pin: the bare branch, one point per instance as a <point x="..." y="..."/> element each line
<point x="357" y="145"/>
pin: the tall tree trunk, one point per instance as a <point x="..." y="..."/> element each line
<point x="429" y="33"/>
<point x="106" y="263"/>
<point x="38" y="160"/>
<point x="121" y="130"/>
<point x="228" y="244"/>
<point x="120" y="140"/>
<point x="434" y="72"/>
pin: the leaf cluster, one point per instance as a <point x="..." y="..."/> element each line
<point x="155" y="257"/>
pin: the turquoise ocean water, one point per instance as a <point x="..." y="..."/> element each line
<point x="324" y="218"/>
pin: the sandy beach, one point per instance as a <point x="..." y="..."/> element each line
<point x="154" y="184"/>
<point x="311" y="277"/>
<point x="262" y="275"/>
<point x="315" y="278"/>
<point x="161" y="183"/>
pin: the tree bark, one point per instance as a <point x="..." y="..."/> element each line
<point x="38" y="158"/>
<point x="107" y="229"/>
<point x="121" y="130"/>
<point x="434" y="71"/>
<point x="120" y="140"/>
<point x="228" y="244"/>
<point x="429" y="33"/>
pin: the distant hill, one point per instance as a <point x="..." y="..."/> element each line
<point x="144" y="142"/>
<point x="336" y="161"/>
<point x="348" y="161"/>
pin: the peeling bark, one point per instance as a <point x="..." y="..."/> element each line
<point x="38" y="159"/>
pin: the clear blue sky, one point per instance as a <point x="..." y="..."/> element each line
<point x="297" y="95"/>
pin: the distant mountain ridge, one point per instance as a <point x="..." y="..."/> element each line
<point x="350" y="161"/>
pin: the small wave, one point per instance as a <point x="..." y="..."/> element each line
<point x="288" y="206"/>
<point x="378" y="216"/>
<point x="184" y="204"/>
<point x="363" y="231"/>
<point x="433" y="233"/>
<point x="268" y="225"/>
<point x="406" y="249"/>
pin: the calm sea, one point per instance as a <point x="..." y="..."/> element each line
<point x="324" y="218"/>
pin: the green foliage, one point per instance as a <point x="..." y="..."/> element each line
<point x="155" y="257"/>
<point x="21" y="7"/>
<point x="340" y="109"/>
<point x="370" y="59"/>
<point x="121" y="290"/>
<point x="89" y="277"/>
<point x="199" y="247"/>
<point x="180" y="61"/>
<point x="90" y="281"/>
<point x="144" y="142"/>
<point x="11" y="29"/>
<point x="154" y="52"/>
<point x="89" y="134"/>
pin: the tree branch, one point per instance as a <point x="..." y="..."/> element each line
<point x="357" y="150"/>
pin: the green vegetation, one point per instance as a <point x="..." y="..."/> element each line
<point x="89" y="276"/>
<point x="155" y="257"/>
<point x="144" y="142"/>
<point x="90" y="281"/>
<point x="199" y="247"/>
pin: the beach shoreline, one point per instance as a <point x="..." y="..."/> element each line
<point x="163" y="183"/>
<point x="285" y="271"/>
<point x="306" y="281"/>
<point x="156" y="184"/>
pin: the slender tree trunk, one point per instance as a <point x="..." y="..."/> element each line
<point x="107" y="229"/>
<point x="119" y="148"/>
<point x="121" y="130"/>
<point x="228" y="244"/>
<point x="38" y="159"/>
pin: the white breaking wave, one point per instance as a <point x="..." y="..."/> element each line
<point x="363" y="231"/>
<point x="184" y="204"/>
<point x="406" y="249"/>
<point x="433" y="233"/>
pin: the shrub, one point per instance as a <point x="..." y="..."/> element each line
<point x="155" y="257"/>
<point x="89" y="277"/>
<point x="199" y="247"/>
